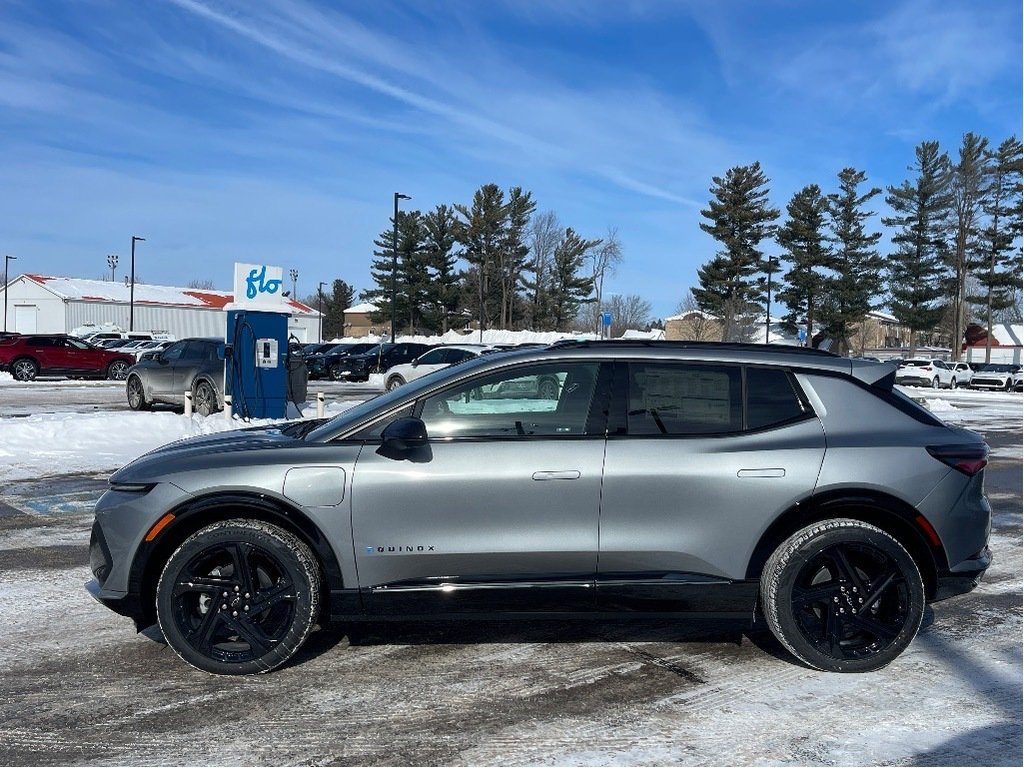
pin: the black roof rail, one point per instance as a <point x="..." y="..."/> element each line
<point x="705" y="345"/>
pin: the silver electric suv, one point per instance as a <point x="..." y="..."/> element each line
<point x="769" y="484"/>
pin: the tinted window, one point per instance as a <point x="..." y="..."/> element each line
<point x="174" y="352"/>
<point x="453" y="356"/>
<point x="771" y="398"/>
<point x="40" y="342"/>
<point x="683" y="399"/>
<point x="433" y="357"/>
<point x="539" y="400"/>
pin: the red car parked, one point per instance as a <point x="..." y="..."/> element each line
<point x="29" y="355"/>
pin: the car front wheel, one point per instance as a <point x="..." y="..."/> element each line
<point x="238" y="597"/>
<point x="136" y="394"/>
<point x="24" y="369"/>
<point x="953" y="383"/>
<point x="843" y="596"/>
<point x="395" y="382"/>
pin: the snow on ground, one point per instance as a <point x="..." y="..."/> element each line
<point x="59" y="443"/>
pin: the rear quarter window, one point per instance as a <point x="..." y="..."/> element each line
<point x="772" y="398"/>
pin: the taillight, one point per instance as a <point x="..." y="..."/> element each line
<point x="969" y="459"/>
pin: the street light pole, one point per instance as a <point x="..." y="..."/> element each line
<point x="320" y="298"/>
<point x="7" y="282"/>
<point x="112" y="263"/>
<point x="131" y="289"/>
<point x="394" y="264"/>
<point x="294" y="275"/>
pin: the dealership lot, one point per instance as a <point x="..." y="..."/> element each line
<point x="81" y="687"/>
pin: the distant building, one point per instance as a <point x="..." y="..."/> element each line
<point x="358" y="322"/>
<point x="1006" y="343"/>
<point x="695" y="325"/>
<point x="44" y="304"/>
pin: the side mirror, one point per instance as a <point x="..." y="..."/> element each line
<point x="404" y="435"/>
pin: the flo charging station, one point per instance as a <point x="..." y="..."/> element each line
<point x="256" y="344"/>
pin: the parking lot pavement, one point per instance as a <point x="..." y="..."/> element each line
<point x="79" y="686"/>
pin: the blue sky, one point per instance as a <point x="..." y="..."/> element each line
<point x="277" y="131"/>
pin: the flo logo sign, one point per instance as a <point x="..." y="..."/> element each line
<point x="259" y="285"/>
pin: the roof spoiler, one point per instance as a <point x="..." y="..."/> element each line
<point x="878" y="375"/>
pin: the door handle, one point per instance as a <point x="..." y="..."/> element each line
<point x="767" y="472"/>
<point x="561" y="474"/>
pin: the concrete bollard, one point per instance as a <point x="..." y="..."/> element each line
<point x="320" y="405"/>
<point x="227" y="407"/>
<point x="188" y="405"/>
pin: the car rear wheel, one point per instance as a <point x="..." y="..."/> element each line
<point x="117" y="370"/>
<point x="843" y="596"/>
<point x="136" y="394"/>
<point x="395" y="382"/>
<point x="335" y="372"/>
<point x="935" y="383"/>
<point x="238" y="597"/>
<point x="204" y="398"/>
<point x="24" y="369"/>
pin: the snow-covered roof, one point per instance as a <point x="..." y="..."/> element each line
<point x="698" y="312"/>
<point x="884" y="317"/>
<point x="654" y="334"/>
<point x="1004" y="335"/>
<point x="362" y="308"/>
<point x="80" y="289"/>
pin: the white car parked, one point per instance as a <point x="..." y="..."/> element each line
<point x="430" y="361"/>
<point x="926" y="372"/>
<point x="995" y="376"/>
<point x="962" y="375"/>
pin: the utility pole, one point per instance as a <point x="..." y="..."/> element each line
<point x="320" y="298"/>
<point x="394" y="263"/>
<point x="112" y="263"/>
<point x="7" y="282"/>
<point x="131" y="289"/>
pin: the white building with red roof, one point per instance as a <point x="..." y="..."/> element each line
<point x="45" y="304"/>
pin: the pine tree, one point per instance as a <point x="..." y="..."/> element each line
<point x="967" y="188"/>
<point x="480" y="232"/>
<point x="857" y="268"/>
<point x="439" y="228"/>
<point x="804" y="240"/>
<point x="918" y="267"/>
<point x="410" y="275"/>
<point x="740" y="219"/>
<point x="513" y="252"/>
<point x="570" y="288"/>
<point x="997" y="260"/>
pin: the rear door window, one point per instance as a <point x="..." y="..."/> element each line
<point x="684" y="399"/>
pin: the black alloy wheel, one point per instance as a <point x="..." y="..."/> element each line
<point x="238" y="597"/>
<point x="136" y="394"/>
<point x="843" y="596"/>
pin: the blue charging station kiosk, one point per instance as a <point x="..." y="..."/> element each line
<point x="255" y="370"/>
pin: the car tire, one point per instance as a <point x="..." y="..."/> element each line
<point x="395" y="382"/>
<point x="117" y="370"/>
<point x="204" y="398"/>
<point x="238" y="597"/>
<point x="843" y="596"/>
<point x="136" y="394"/>
<point x="24" y="369"/>
<point x="547" y="389"/>
<point x="335" y="372"/>
<point x="935" y="383"/>
<point x="953" y="383"/>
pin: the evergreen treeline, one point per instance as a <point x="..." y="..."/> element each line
<point x="496" y="262"/>
<point x="956" y="252"/>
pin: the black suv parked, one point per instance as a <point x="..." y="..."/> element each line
<point x="358" y="367"/>
<point x="320" y="363"/>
